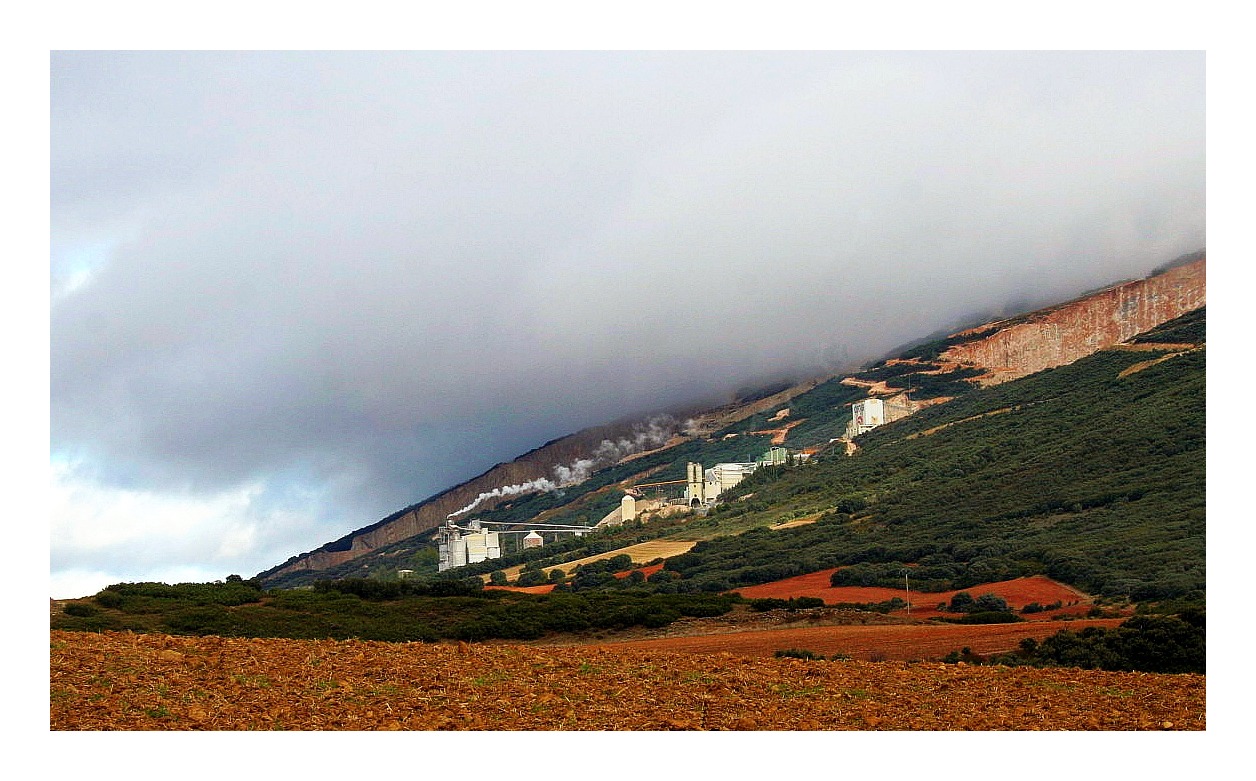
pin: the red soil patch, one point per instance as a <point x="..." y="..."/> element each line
<point x="1018" y="593"/>
<point x="647" y="571"/>
<point x="896" y="642"/>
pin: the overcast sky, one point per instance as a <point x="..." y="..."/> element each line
<point x="292" y="293"/>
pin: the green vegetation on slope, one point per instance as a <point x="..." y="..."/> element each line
<point x="1094" y="479"/>
<point x="1190" y="328"/>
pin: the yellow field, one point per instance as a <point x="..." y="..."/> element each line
<point x="640" y="553"/>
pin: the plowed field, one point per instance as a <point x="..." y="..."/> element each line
<point x="123" y="681"/>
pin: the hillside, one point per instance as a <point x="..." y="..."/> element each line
<point x="553" y="465"/>
<point x="936" y="380"/>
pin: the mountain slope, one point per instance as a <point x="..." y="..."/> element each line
<point x="555" y="463"/>
<point x="809" y="416"/>
<point x="1089" y="473"/>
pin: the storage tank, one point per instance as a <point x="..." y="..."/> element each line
<point x="627" y="508"/>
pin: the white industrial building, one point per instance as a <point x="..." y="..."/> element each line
<point x="704" y="486"/>
<point x="869" y="413"/>
<point x="459" y="546"/>
<point x="866" y="415"/>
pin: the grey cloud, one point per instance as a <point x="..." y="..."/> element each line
<point x="387" y="271"/>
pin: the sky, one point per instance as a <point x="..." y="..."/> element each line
<point x="291" y="293"/>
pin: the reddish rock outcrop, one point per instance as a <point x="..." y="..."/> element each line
<point x="1062" y="334"/>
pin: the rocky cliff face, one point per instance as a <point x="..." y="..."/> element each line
<point x="1062" y="334"/>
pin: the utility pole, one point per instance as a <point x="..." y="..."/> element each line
<point x="907" y="586"/>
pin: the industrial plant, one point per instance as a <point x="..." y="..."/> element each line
<point x="474" y="542"/>
<point x="471" y="543"/>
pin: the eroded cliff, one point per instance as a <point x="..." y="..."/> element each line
<point x="1062" y="334"/>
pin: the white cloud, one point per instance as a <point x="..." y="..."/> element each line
<point x="102" y="534"/>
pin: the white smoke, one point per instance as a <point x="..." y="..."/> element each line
<point x="539" y="484"/>
<point x="575" y="472"/>
<point x="645" y="436"/>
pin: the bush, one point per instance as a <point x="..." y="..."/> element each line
<point x="81" y="610"/>
<point x="531" y="577"/>
<point x="797" y="653"/>
<point x="109" y="599"/>
<point x="203" y="620"/>
<point x="963" y="602"/>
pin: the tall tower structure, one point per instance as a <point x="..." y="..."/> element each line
<point x="696" y="492"/>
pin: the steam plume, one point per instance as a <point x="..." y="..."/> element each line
<point x="645" y="436"/>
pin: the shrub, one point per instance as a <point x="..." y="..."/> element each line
<point x="109" y="599"/>
<point x="531" y="577"/>
<point x="797" y="653"/>
<point x="202" y="620"/>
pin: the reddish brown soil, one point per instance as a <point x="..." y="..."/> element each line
<point x="123" y="681"/>
<point x="646" y="571"/>
<point x="1018" y="593"/>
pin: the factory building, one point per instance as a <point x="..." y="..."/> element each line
<point x="866" y="415"/>
<point x="869" y="413"/>
<point x="533" y="540"/>
<point x="704" y="487"/>
<point x="458" y="546"/>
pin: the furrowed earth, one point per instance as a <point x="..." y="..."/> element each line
<point x="125" y="681"/>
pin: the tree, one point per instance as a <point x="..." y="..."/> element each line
<point x="534" y="577"/>
<point x="962" y="602"/>
<point x="987" y="603"/>
<point x="498" y="578"/>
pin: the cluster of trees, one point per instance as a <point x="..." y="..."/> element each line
<point x="963" y="602"/>
<point x="381" y="590"/>
<point x="378" y="610"/>
<point x="1155" y="644"/>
